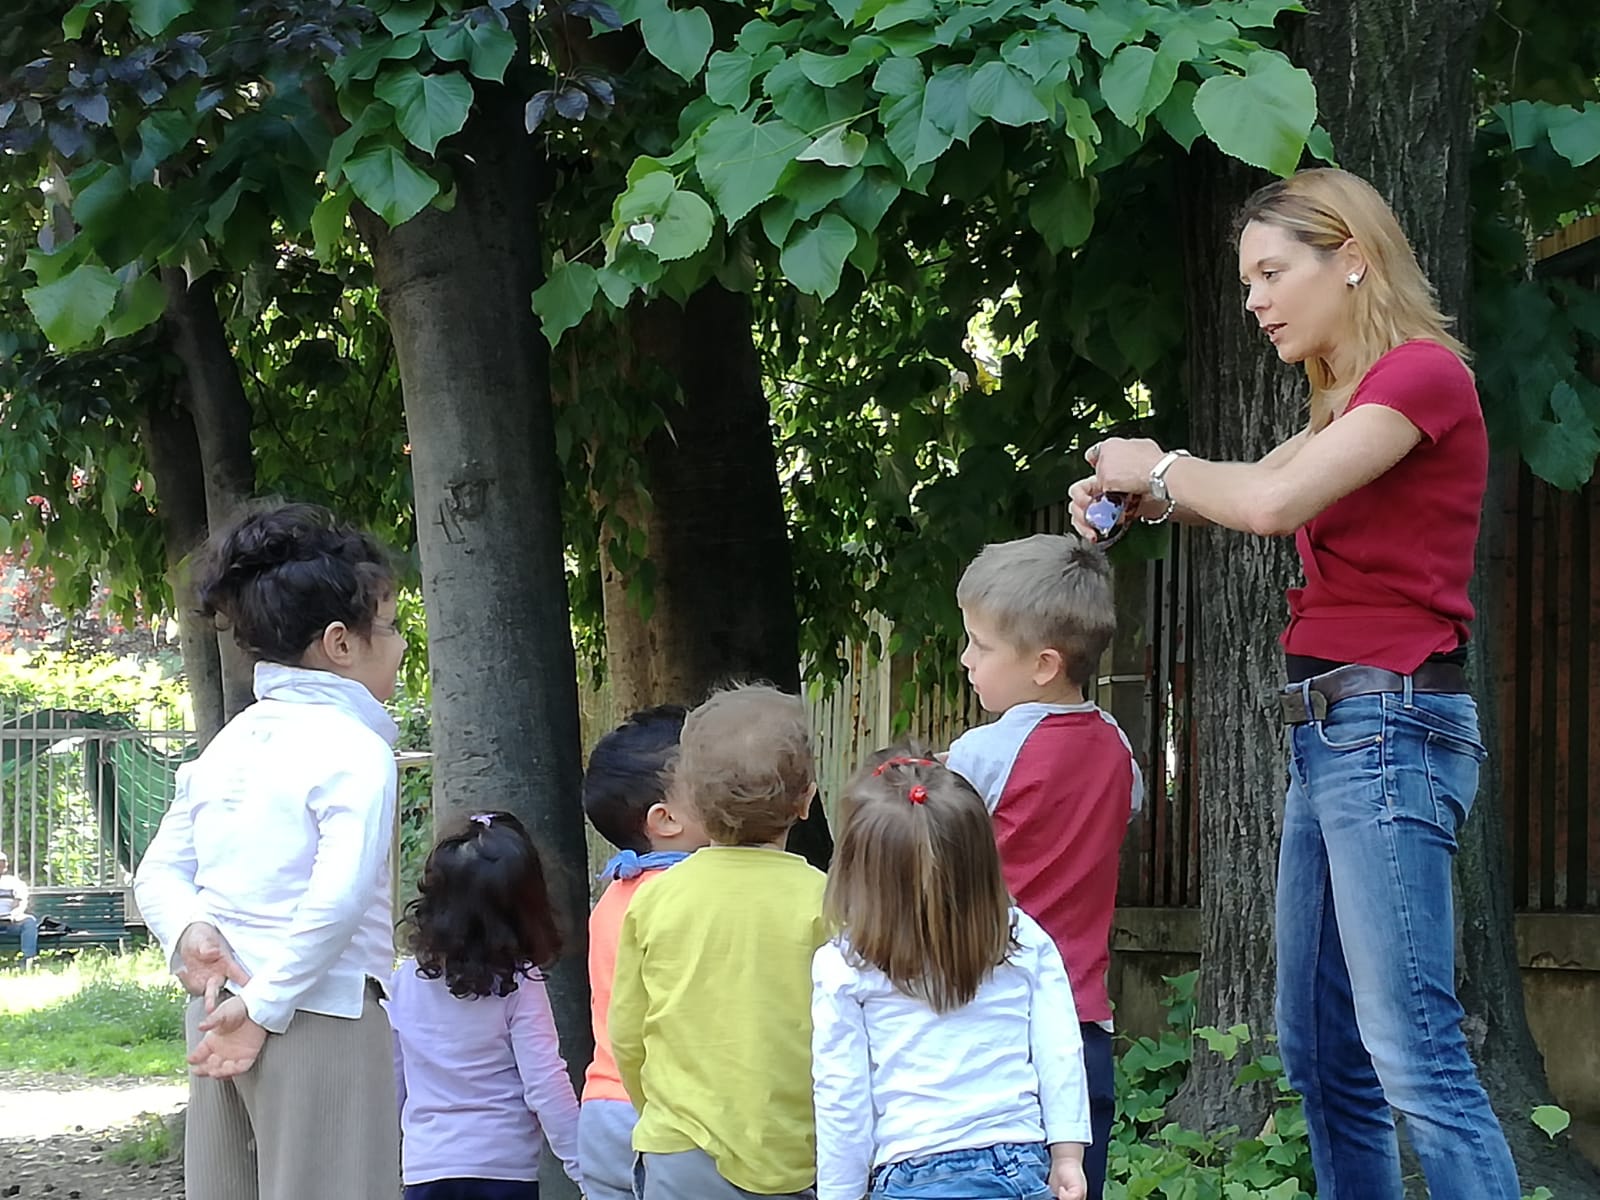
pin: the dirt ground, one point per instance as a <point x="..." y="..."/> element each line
<point x="55" y="1134"/>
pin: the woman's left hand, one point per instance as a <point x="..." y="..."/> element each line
<point x="1124" y="464"/>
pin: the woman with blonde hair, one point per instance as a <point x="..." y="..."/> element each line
<point x="1382" y="492"/>
<point x="947" y="1059"/>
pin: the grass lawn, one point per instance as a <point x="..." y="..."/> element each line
<point x="98" y="1015"/>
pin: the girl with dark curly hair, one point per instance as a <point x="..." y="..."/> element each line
<point x="481" y="1079"/>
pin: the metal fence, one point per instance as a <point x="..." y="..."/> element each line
<point x="82" y="791"/>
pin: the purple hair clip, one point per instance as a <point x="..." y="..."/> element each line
<point x="484" y="819"/>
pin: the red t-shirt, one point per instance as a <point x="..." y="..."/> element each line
<point x="1387" y="566"/>
<point x="1061" y="783"/>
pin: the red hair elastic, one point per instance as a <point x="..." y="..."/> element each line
<point x="918" y="794"/>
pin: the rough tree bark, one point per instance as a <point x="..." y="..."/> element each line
<point x="1242" y="402"/>
<point x="723" y="596"/>
<point x="456" y="288"/>
<point x="167" y="428"/>
<point x="221" y="419"/>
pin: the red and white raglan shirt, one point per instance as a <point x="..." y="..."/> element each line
<point x="1061" y="782"/>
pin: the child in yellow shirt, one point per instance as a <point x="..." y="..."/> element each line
<point x="710" y="1016"/>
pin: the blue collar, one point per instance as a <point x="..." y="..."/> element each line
<point x="629" y="864"/>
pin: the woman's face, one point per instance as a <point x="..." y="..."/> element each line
<point x="1300" y="298"/>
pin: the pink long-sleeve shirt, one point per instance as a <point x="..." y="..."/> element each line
<point x="481" y="1081"/>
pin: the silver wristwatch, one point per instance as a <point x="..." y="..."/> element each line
<point x="1158" y="475"/>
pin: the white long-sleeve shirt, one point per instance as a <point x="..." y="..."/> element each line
<point x="892" y="1079"/>
<point x="279" y="836"/>
<point x="482" y="1084"/>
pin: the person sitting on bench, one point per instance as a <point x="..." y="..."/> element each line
<point x="14" y="911"/>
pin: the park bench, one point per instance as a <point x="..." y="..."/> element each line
<point x="88" y="917"/>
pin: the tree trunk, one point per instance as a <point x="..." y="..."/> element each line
<point x="456" y="287"/>
<point x="221" y="418"/>
<point x="174" y="453"/>
<point x="1242" y="402"/>
<point x="723" y="603"/>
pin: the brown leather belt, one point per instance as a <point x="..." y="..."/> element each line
<point x="1311" y="700"/>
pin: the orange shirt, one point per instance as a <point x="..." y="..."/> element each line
<point x="601" y="1081"/>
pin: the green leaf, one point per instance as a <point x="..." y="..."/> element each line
<point x="427" y="108"/>
<point x="139" y="304"/>
<point x="813" y="186"/>
<point x="161" y="134"/>
<point x="1062" y="210"/>
<point x="373" y="117"/>
<point x="655" y="214"/>
<point x="1575" y="133"/>
<point x="1524" y="122"/>
<point x="1042" y="53"/>
<point x="867" y="202"/>
<point x="1081" y="127"/>
<point x="98" y="204"/>
<point x="814" y="258"/>
<point x="830" y="70"/>
<point x="1320" y="143"/>
<point x="795" y="98"/>
<point x="740" y="162"/>
<point x="1263" y="117"/>
<point x="72" y="24"/>
<point x="406" y="16"/>
<point x="898" y="12"/>
<point x="920" y="125"/>
<point x="1551" y="1119"/>
<point x="898" y="77"/>
<point x="680" y="38"/>
<point x="1005" y="94"/>
<point x="839" y="147"/>
<point x="777" y="219"/>
<point x="1258" y="14"/>
<point x="1136" y="81"/>
<point x="1176" y="113"/>
<point x="484" y="47"/>
<point x="728" y="77"/>
<point x="328" y="223"/>
<point x="390" y="184"/>
<point x="615" y="288"/>
<point x="151" y="17"/>
<point x="70" y="310"/>
<point x="1108" y="23"/>
<point x="565" y="298"/>
<point x="364" y="61"/>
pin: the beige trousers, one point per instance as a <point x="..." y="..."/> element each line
<point x="314" y="1119"/>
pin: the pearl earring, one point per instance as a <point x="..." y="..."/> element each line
<point x="1352" y="279"/>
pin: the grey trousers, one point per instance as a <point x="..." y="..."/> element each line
<point x="314" y="1117"/>
<point x="692" y="1175"/>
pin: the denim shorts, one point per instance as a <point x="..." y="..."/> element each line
<point x="1011" y="1171"/>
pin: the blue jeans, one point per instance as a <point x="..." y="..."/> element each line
<point x="1367" y="1012"/>
<point x="1014" y="1171"/>
<point x="29" y="932"/>
<point x="1102" y="1077"/>
<point x="473" y="1189"/>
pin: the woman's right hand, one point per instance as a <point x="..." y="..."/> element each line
<point x="1079" y="496"/>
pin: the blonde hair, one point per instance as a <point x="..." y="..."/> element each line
<point x="1394" y="302"/>
<point x="1051" y="590"/>
<point x="915" y="885"/>
<point x="744" y="764"/>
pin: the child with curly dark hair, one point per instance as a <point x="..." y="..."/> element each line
<point x="481" y="1080"/>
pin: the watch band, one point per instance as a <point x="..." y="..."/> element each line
<point x="1158" y="474"/>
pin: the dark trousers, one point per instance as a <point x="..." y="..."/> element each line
<point x="1097" y="1065"/>
<point x="473" y="1189"/>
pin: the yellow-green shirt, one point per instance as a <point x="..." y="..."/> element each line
<point x="711" y="1013"/>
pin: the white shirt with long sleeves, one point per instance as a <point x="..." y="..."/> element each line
<point x="13" y="897"/>
<point x="279" y="835"/>
<point x="893" y="1079"/>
